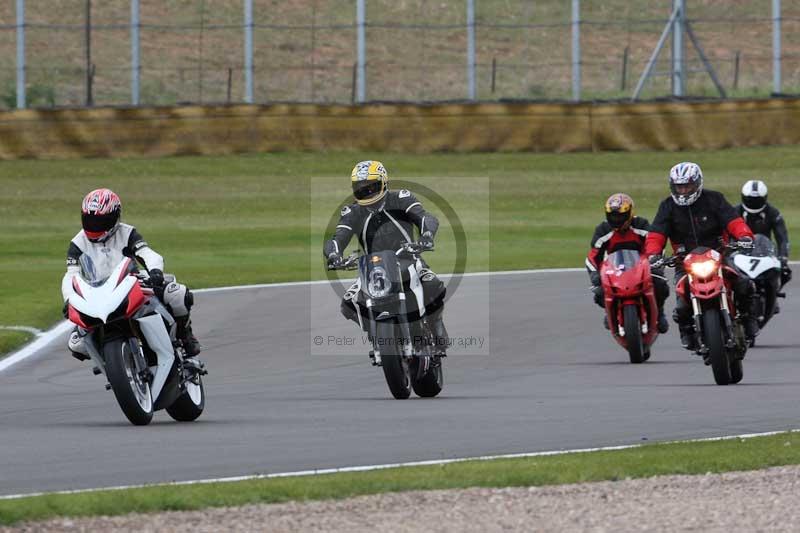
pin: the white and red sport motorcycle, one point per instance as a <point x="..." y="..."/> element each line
<point x="131" y="339"/>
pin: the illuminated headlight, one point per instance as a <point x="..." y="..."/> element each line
<point x="378" y="285"/>
<point x="704" y="269"/>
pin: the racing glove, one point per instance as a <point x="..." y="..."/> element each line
<point x="157" y="282"/>
<point x="156" y="278"/>
<point x="335" y="260"/>
<point x="655" y="258"/>
<point x="745" y="242"/>
<point x="426" y="240"/>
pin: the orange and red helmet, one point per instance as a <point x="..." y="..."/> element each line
<point x="619" y="211"/>
<point x="100" y="214"/>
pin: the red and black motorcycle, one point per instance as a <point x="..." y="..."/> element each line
<point x="720" y="336"/>
<point x="630" y="302"/>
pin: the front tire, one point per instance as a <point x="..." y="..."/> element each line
<point x="189" y="405"/>
<point x="132" y="392"/>
<point x="713" y="338"/>
<point x="633" y="333"/>
<point x="395" y="368"/>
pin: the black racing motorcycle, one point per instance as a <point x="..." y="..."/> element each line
<point x="389" y="300"/>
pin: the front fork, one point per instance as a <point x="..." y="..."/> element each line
<point x="698" y="317"/>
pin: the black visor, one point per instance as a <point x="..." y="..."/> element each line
<point x="366" y="189"/>
<point x="617" y="219"/>
<point x="96" y="223"/>
<point x="754" y="202"/>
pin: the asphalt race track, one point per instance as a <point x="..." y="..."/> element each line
<point x="554" y="379"/>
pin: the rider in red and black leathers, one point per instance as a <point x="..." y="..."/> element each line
<point x="622" y="230"/>
<point x="702" y="218"/>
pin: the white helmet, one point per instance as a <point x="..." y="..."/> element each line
<point x="754" y="196"/>
<point x="685" y="183"/>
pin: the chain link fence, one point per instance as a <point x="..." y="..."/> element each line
<point x="78" y="52"/>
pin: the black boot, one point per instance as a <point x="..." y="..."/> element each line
<point x="688" y="338"/>
<point x="190" y="343"/>
<point x="663" y="325"/>
<point x="439" y="335"/>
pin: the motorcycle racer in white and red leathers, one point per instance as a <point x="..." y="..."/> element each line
<point x="107" y="241"/>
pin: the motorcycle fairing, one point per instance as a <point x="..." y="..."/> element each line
<point x="100" y="300"/>
<point x="158" y="340"/>
<point x="754" y="266"/>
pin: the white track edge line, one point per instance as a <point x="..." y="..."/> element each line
<point x="368" y="468"/>
<point x="48" y="336"/>
<point x="51" y="334"/>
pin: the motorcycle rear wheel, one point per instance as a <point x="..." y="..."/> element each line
<point x="431" y="384"/>
<point x="395" y="368"/>
<point x="633" y="333"/>
<point x="132" y="393"/>
<point x="189" y="405"/>
<point x="713" y="338"/>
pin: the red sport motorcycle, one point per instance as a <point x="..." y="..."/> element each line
<point x="630" y="302"/>
<point x="720" y="336"/>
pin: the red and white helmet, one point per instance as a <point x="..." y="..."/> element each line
<point x="100" y="213"/>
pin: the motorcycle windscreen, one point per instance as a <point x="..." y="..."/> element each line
<point x="762" y="247"/>
<point x="89" y="272"/>
<point x="624" y="259"/>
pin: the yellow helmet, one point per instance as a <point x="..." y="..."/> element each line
<point x="619" y="211"/>
<point x="370" y="182"/>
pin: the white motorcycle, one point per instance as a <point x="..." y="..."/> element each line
<point x="763" y="267"/>
<point x="131" y="339"/>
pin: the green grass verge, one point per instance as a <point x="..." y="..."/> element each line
<point x="249" y="219"/>
<point x="646" y="461"/>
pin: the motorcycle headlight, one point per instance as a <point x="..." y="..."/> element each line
<point x="704" y="268"/>
<point x="378" y="283"/>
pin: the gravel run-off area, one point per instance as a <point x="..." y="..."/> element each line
<point x="766" y="500"/>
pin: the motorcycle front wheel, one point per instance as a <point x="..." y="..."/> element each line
<point x="130" y="388"/>
<point x="633" y="333"/>
<point x="395" y="368"/>
<point x="713" y="338"/>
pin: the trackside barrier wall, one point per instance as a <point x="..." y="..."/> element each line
<point x="162" y="131"/>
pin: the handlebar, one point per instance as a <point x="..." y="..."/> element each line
<point x="351" y="261"/>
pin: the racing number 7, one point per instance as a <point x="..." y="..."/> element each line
<point x="754" y="263"/>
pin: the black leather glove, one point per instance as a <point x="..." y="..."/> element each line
<point x="156" y="278"/>
<point x="426" y="240"/>
<point x="655" y="258"/>
<point x="594" y="277"/>
<point x="335" y="260"/>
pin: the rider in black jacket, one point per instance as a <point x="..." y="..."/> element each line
<point x="383" y="220"/>
<point x="693" y="217"/>
<point x="765" y="219"/>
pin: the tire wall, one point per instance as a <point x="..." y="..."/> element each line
<point x="514" y="127"/>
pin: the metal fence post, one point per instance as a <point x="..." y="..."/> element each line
<point x="576" y="50"/>
<point x="471" y="90"/>
<point x="678" y="71"/>
<point x="248" y="51"/>
<point x="20" y="54"/>
<point x="361" y="51"/>
<point x="135" y="52"/>
<point x="776" y="46"/>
